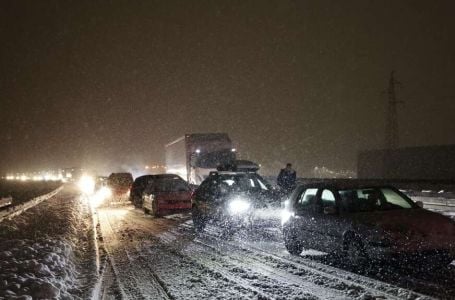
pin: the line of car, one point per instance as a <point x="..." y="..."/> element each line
<point x="359" y="222"/>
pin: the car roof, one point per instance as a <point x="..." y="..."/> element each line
<point x="164" y="176"/>
<point x="123" y="174"/>
<point x="345" y="184"/>
<point x="143" y="177"/>
<point x="233" y="173"/>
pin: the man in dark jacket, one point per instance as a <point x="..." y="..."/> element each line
<point x="286" y="178"/>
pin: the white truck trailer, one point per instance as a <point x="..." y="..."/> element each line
<point x="193" y="156"/>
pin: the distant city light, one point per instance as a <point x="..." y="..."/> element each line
<point x="48" y="175"/>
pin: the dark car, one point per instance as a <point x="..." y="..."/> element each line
<point x="230" y="199"/>
<point x="166" y="193"/>
<point x="120" y="184"/>
<point x="366" y="222"/>
<point x="137" y="189"/>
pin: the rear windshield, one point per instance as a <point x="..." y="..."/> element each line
<point x="120" y="180"/>
<point x="372" y="199"/>
<point x="168" y="185"/>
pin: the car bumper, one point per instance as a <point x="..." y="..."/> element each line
<point x="174" y="205"/>
<point x="390" y="254"/>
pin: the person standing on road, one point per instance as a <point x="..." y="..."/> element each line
<point x="286" y="178"/>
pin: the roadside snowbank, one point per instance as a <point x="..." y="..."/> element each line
<point x="40" y="269"/>
<point x="48" y="252"/>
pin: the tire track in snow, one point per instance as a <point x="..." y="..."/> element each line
<point x="135" y="281"/>
<point x="182" y="278"/>
<point x="257" y="276"/>
<point x="336" y="278"/>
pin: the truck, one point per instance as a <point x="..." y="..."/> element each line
<point x="193" y="156"/>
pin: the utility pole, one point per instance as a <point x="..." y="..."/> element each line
<point x="392" y="133"/>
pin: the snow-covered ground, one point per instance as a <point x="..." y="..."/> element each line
<point x="162" y="258"/>
<point x="48" y="251"/>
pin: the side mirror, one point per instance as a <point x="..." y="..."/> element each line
<point x="419" y="204"/>
<point x="330" y="210"/>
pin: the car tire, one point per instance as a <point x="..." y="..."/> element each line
<point x="146" y="211"/>
<point x="198" y="220"/>
<point x="292" y="243"/>
<point x="155" y="211"/>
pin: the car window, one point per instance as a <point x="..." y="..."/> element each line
<point x="168" y="185"/>
<point x="262" y="185"/>
<point x="372" y="199"/>
<point x="306" y="199"/>
<point x="242" y="182"/>
<point x="359" y="200"/>
<point x="327" y="198"/>
<point x="394" y="199"/>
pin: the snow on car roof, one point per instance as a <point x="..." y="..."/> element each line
<point x="341" y="184"/>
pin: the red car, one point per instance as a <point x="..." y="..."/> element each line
<point x="166" y="193"/>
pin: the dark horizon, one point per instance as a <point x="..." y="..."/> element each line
<point x="106" y="86"/>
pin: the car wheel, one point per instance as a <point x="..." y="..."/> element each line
<point x="355" y="253"/>
<point x="198" y="220"/>
<point x="155" y="211"/>
<point x="292" y="243"/>
<point x="146" y="211"/>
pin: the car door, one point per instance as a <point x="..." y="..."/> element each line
<point x="328" y="223"/>
<point x="304" y="220"/>
<point x="205" y="197"/>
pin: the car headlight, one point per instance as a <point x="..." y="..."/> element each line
<point x="285" y="216"/>
<point x="105" y="192"/>
<point x="87" y="184"/>
<point x="238" y="206"/>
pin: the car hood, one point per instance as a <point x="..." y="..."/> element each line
<point x="410" y="224"/>
<point x="258" y="199"/>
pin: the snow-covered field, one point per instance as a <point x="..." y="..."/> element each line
<point x="23" y="191"/>
<point x="48" y="251"/>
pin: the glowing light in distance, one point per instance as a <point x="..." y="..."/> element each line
<point x="87" y="184"/>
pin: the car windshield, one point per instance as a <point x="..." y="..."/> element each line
<point x="372" y="199"/>
<point x="173" y="184"/>
<point x="243" y="183"/>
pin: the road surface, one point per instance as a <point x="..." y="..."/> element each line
<point x="162" y="258"/>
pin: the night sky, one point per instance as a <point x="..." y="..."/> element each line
<point x="105" y="84"/>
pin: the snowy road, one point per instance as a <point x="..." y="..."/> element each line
<point x="164" y="259"/>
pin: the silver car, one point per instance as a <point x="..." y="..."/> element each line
<point x="364" y="222"/>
